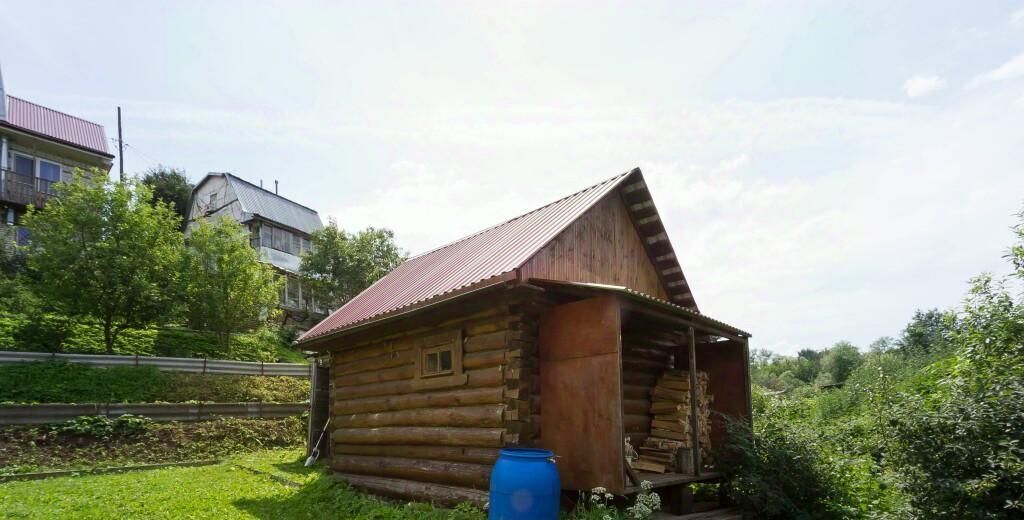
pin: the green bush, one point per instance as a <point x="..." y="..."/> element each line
<point x="104" y="427"/>
<point x="58" y="382"/>
<point x="55" y="333"/>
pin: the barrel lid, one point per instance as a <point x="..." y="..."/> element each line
<point x="527" y="453"/>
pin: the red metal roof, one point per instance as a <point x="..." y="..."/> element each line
<point x="491" y="254"/>
<point x="47" y="122"/>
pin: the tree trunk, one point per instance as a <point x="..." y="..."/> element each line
<point x="108" y="336"/>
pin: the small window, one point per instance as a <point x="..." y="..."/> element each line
<point x="213" y="201"/>
<point x="439" y="354"/>
<point x="306" y="246"/>
<point x="437" y="362"/>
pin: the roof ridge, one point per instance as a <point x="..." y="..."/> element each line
<point x="282" y="197"/>
<point x="467" y="237"/>
<point x="44" y="107"/>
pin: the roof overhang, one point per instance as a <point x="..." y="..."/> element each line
<point x="319" y="342"/>
<point x="649" y="305"/>
<point x="59" y="142"/>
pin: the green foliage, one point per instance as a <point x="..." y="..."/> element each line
<point x="56" y="382"/>
<point x="229" y="290"/>
<point x="599" y="504"/>
<point x="229" y="491"/>
<point x="341" y="265"/>
<point x="929" y="425"/>
<point x="104" y="427"/>
<point x="100" y="442"/>
<point x="18" y="332"/>
<point x="170" y="186"/>
<point x="101" y="250"/>
<point x="838" y="362"/>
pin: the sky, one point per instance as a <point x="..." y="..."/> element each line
<point x="823" y="168"/>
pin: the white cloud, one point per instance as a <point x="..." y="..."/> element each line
<point x="1012" y="69"/>
<point x="805" y="221"/>
<point x="922" y="85"/>
<point x="1017" y="19"/>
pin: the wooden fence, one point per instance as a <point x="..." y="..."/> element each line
<point x="54" y="413"/>
<point x="201" y="366"/>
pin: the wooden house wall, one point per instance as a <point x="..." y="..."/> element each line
<point x="602" y="246"/>
<point x="394" y="436"/>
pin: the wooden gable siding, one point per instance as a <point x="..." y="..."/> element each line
<point x="602" y="246"/>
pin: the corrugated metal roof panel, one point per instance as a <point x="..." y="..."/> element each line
<point x="273" y="207"/>
<point x="490" y="253"/>
<point x="58" y="125"/>
<point x="597" y="288"/>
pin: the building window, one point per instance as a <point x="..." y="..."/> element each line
<point x="266" y="235"/>
<point x="439" y="355"/>
<point x="49" y="171"/>
<point x="24" y="165"/>
<point x="437" y="361"/>
<point x="306" y="245"/>
<point x="213" y="202"/>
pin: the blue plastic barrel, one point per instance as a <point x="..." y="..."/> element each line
<point x="524" y="485"/>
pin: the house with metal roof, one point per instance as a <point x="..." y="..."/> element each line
<point x="570" y="328"/>
<point x="40" y="147"/>
<point x="280" y="229"/>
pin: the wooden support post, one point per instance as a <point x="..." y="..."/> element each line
<point x="746" y="372"/>
<point x="694" y="423"/>
<point x="678" y="499"/>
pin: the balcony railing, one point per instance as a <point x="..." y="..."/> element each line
<point x="24" y="189"/>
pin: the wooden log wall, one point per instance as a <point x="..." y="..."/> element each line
<point x="435" y="438"/>
<point x="645" y="358"/>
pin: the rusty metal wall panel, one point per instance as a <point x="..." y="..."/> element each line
<point x="581" y="393"/>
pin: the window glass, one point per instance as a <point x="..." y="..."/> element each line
<point x="24" y="165"/>
<point x="296" y="245"/>
<point x="213" y="201"/>
<point x="437" y="362"/>
<point x="293" y="291"/>
<point x="280" y="239"/>
<point x="432" y="365"/>
<point x="49" y="171"/>
<point x="306" y="245"/>
<point x="266" y="235"/>
<point x="446" y="360"/>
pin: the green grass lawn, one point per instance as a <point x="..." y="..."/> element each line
<point x="225" y="490"/>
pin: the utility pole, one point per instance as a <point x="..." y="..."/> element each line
<point x="120" y="144"/>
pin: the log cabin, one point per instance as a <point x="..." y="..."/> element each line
<point x="571" y="327"/>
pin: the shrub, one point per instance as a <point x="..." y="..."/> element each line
<point x="103" y="427"/>
<point x="59" y="382"/>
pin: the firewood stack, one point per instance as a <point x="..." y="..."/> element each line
<point x="670" y="424"/>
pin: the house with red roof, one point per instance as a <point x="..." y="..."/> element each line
<point x="40" y="147"/>
<point x="570" y="328"/>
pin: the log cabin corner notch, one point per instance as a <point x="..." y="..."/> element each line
<point x="557" y="328"/>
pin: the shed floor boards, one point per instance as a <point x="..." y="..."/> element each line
<point x="670" y="479"/>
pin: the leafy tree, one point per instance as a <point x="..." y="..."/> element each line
<point x="101" y="250"/>
<point x="342" y="265"/>
<point x="170" y="185"/>
<point x="838" y="362"/>
<point x="925" y="334"/>
<point x="229" y="289"/>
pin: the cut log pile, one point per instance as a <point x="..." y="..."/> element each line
<point x="670" y="421"/>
